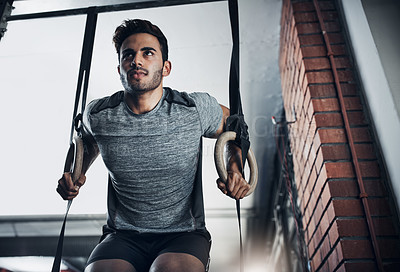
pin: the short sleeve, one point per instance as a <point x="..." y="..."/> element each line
<point x="87" y="133"/>
<point x="210" y="112"/>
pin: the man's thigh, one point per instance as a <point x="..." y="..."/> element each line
<point x="110" y="265"/>
<point x="177" y="262"/>
<point x="186" y="249"/>
<point x="141" y="251"/>
<point x="120" y="251"/>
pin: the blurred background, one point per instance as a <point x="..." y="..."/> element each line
<point x="39" y="64"/>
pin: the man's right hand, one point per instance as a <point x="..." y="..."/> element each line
<point x="69" y="189"/>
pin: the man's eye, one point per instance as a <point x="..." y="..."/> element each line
<point x="148" y="53"/>
<point x="127" y="57"/>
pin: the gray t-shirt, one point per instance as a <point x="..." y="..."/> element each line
<point x="152" y="158"/>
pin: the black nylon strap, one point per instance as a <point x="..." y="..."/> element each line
<point x="235" y="121"/>
<point x="84" y="71"/>
<point x="57" y="259"/>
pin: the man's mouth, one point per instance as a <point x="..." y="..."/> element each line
<point x="137" y="73"/>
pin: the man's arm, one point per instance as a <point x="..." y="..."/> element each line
<point x="67" y="188"/>
<point x="236" y="186"/>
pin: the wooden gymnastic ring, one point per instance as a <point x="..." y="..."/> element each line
<point x="220" y="164"/>
<point x="74" y="160"/>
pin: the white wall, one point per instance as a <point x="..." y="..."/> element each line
<point x="380" y="95"/>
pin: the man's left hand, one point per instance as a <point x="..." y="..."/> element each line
<point x="235" y="187"/>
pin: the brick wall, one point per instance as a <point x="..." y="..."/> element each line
<point x="335" y="227"/>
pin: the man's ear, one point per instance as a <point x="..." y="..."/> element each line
<point x="119" y="69"/>
<point x="167" y="68"/>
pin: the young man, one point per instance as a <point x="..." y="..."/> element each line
<point x="149" y="137"/>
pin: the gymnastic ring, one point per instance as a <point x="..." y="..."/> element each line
<point x="74" y="160"/>
<point x="220" y="164"/>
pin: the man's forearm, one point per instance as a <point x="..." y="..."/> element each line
<point x="234" y="159"/>
<point x="90" y="154"/>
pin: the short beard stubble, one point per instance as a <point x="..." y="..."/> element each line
<point x="136" y="87"/>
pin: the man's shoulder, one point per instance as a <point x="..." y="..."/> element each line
<point x="107" y="102"/>
<point x="181" y="98"/>
<point x="184" y="98"/>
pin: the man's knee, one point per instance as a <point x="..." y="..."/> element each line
<point x="110" y="265"/>
<point x="177" y="262"/>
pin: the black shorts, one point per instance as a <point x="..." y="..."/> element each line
<point x="141" y="249"/>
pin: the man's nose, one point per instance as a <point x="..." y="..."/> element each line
<point x="137" y="61"/>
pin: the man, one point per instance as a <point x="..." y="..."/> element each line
<point x="149" y="137"/>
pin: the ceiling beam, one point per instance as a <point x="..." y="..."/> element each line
<point x="140" y="4"/>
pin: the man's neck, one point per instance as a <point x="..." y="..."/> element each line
<point x="141" y="103"/>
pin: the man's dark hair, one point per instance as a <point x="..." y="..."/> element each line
<point x="129" y="27"/>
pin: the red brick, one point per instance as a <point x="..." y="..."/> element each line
<point x="352" y="103"/>
<point x="392" y="267"/>
<point x="365" y="151"/>
<point x="305" y="17"/>
<point x="389" y="248"/>
<point x="339" y="169"/>
<point x="318" y="211"/>
<point x="311" y="248"/>
<point x="299" y="101"/>
<point x="311" y="203"/>
<point x="347" y="207"/>
<point x="307" y="99"/>
<point x="303" y="6"/>
<point x="349" y="188"/>
<point x="348" y="89"/>
<point x="374" y="187"/>
<point x="325" y="104"/>
<point x="330" y="211"/>
<point x="310" y="226"/>
<point x="332" y="135"/>
<point x="364" y="266"/>
<point x="342" y="62"/>
<point x="325" y="196"/>
<point x="335" y="38"/>
<point x="325" y="248"/>
<point x="319" y="77"/>
<point x="317" y="236"/>
<point x="323" y="267"/>
<point x="345" y="75"/>
<point x="311" y="39"/>
<point x="357" y="249"/>
<point x="332" y="26"/>
<point x="319" y="162"/>
<point x="326" y="90"/>
<point x="384" y="226"/>
<point x="302" y="69"/>
<point x="326" y="5"/>
<point x="305" y="83"/>
<point x="332" y="119"/>
<point x="361" y="134"/>
<point x="379" y="207"/>
<point x="369" y="169"/>
<point x="308" y="28"/>
<point x="343" y="188"/>
<point x="338" y="50"/>
<point x="316" y="261"/>
<point x="329" y="15"/>
<point x="317" y="64"/>
<point x="333" y="260"/>
<point x="324" y="225"/>
<point x="313" y="51"/>
<point x="309" y="113"/>
<point x="335" y="152"/>
<point x="356" y="118"/>
<point x="352" y="227"/>
<point x="333" y="233"/>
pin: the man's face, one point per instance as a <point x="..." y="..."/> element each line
<point x="141" y="66"/>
